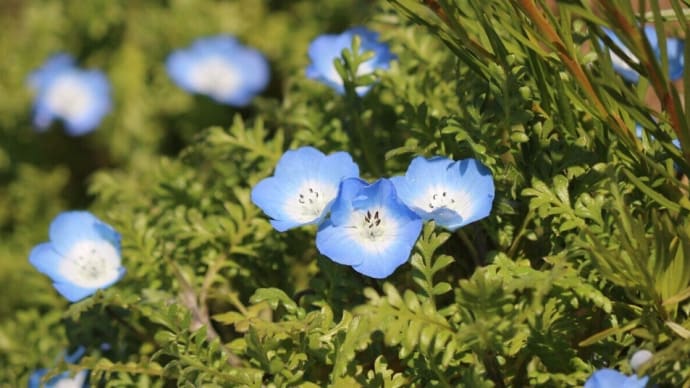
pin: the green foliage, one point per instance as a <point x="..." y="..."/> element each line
<point x="582" y="262"/>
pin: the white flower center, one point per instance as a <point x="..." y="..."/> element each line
<point x="91" y="264"/>
<point x="372" y="230"/>
<point x="75" y="382"/>
<point x="440" y="197"/>
<point x="215" y="77"/>
<point x="69" y="98"/>
<point x="310" y="201"/>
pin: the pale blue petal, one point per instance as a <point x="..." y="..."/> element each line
<point x="71" y="227"/>
<point x="306" y="164"/>
<point x="338" y="239"/>
<point x="475" y="180"/>
<point x="99" y="105"/>
<point x="325" y="49"/>
<point x="623" y="69"/>
<point x="74" y="293"/>
<point x="609" y="378"/>
<point x="47" y="261"/>
<point x="35" y="378"/>
<point x="252" y="66"/>
<point x="335" y="167"/>
<point x="342" y="207"/>
<point x="385" y="262"/>
<point x="54" y="67"/>
<point x="338" y="246"/>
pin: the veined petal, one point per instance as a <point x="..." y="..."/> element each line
<point x="451" y="193"/>
<point x="370" y="228"/>
<point x="303" y="188"/>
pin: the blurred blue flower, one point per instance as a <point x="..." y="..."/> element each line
<point x="304" y="186"/>
<point x="674" y="48"/>
<point x="369" y="229"/>
<point x="221" y="68"/>
<point x="63" y="91"/>
<point x="62" y="380"/>
<point x="83" y="255"/>
<point x="451" y="193"/>
<point x="610" y="378"/>
<point x="326" y="48"/>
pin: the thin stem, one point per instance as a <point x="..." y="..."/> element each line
<point x="470" y="247"/>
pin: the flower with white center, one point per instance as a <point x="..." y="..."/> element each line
<point x="369" y="229"/>
<point x="609" y="378"/>
<point x="63" y="380"/>
<point x="83" y="255"/>
<point x="303" y="187"/>
<point x="221" y="68"/>
<point x="674" y="50"/>
<point x="325" y="49"/>
<point x="451" y="193"/>
<point x="80" y="98"/>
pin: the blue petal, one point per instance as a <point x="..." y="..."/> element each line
<point x="342" y="207"/>
<point x="35" y="378"/>
<point x="253" y="68"/>
<point x="274" y="194"/>
<point x="54" y="67"/>
<point x="477" y="183"/>
<point x="623" y="69"/>
<point x="71" y="227"/>
<point x="385" y="262"/>
<point x="325" y="49"/>
<point x="74" y="293"/>
<point x="471" y="182"/>
<point x="339" y="238"/>
<point x="338" y="246"/>
<point x="47" y="261"/>
<point x="99" y="104"/>
<point x="609" y="378"/>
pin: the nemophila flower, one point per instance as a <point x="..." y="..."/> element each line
<point x="674" y="49"/>
<point x="221" y="68"/>
<point x="63" y="380"/>
<point x="609" y="378"/>
<point x="451" y="193"/>
<point x="325" y="49"/>
<point x="303" y="187"/>
<point x="80" y="98"/>
<point x="83" y="255"/>
<point x="369" y="229"/>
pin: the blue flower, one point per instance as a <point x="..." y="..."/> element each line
<point x="221" y="68"/>
<point x="304" y="186"/>
<point x="63" y="380"/>
<point x="451" y="193"/>
<point x="610" y="378"/>
<point x="674" y="49"/>
<point x="370" y="229"/>
<point x="83" y="255"/>
<point x="326" y="48"/>
<point x="79" y="97"/>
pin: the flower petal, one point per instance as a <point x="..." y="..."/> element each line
<point x="73" y="226"/>
<point x="47" y="261"/>
<point x="606" y="378"/>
